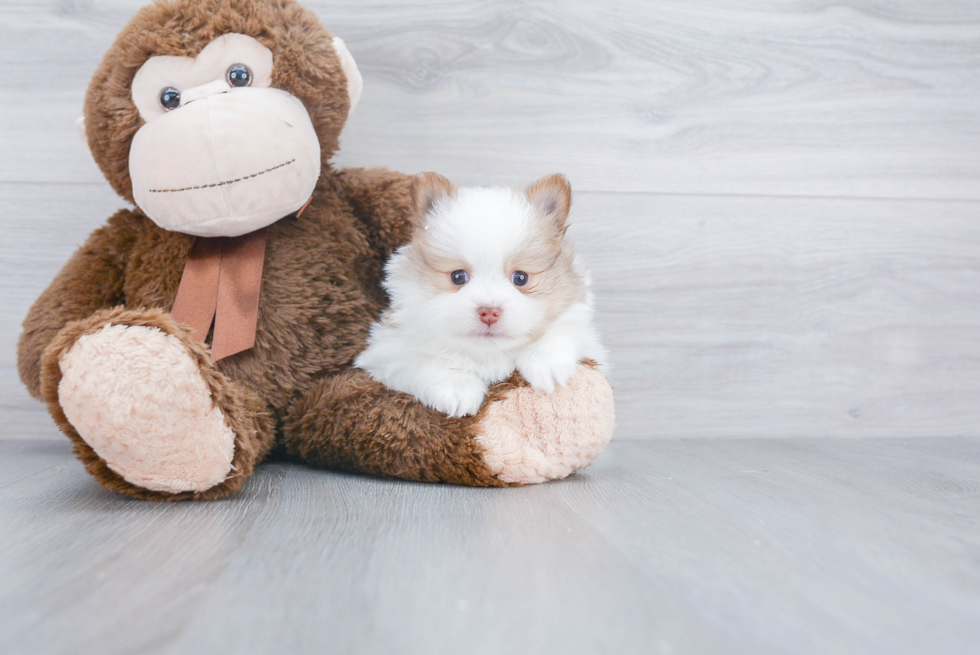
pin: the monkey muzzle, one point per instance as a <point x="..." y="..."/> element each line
<point x="227" y="162"/>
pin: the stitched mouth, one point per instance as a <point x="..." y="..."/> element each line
<point x="225" y="183"/>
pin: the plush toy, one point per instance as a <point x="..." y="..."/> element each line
<point x="219" y="318"/>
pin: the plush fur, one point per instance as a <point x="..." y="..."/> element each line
<point x="445" y="341"/>
<point x="320" y="293"/>
<point x="244" y="412"/>
<point x="532" y="437"/>
<point x="305" y="65"/>
<point x="106" y="374"/>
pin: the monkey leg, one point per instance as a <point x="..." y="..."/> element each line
<point x="147" y="413"/>
<point x="519" y="436"/>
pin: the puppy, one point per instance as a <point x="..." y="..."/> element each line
<point x="488" y="284"/>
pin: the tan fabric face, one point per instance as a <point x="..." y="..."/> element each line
<point x="228" y="160"/>
<point x="227" y="163"/>
<point x="185" y="73"/>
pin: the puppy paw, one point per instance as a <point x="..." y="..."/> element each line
<point x="462" y="397"/>
<point x="545" y="368"/>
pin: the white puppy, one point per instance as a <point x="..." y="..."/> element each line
<point x="488" y="284"/>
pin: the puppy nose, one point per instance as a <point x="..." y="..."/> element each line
<point x="488" y="315"/>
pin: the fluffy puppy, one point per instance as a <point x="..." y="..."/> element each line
<point x="488" y="283"/>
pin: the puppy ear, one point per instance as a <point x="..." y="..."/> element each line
<point x="552" y="197"/>
<point x="427" y="190"/>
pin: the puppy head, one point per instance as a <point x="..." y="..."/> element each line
<point x="485" y="267"/>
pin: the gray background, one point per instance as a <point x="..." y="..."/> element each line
<point x="779" y="203"/>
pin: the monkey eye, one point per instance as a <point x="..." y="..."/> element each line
<point x="170" y="98"/>
<point x="519" y="278"/>
<point x="459" y="277"/>
<point x="239" y="75"/>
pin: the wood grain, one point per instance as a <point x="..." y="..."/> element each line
<point x="869" y="99"/>
<point x="841" y="301"/>
<point x="725" y="317"/>
<point x="43" y="225"/>
<point x="754" y="317"/>
<point x="738" y="546"/>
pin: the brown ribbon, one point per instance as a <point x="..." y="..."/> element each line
<point x="222" y="281"/>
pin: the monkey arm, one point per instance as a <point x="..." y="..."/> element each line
<point x="519" y="436"/>
<point x="91" y="280"/>
<point x="349" y="421"/>
<point x="382" y="201"/>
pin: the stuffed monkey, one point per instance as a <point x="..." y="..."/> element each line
<point x="219" y="318"/>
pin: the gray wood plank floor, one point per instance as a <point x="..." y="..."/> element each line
<point x="673" y="546"/>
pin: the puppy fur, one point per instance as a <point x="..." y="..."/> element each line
<point x="432" y="342"/>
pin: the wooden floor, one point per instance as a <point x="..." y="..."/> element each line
<point x="780" y="205"/>
<point x="671" y="546"/>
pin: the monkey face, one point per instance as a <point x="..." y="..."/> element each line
<point x="222" y="153"/>
<point x="201" y="111"/>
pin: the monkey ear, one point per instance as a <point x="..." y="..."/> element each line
<point x="552" y="196"/>
<point x="355" y="83"/>
<point x="80" y="126"/>
<point x="427" y="190"/>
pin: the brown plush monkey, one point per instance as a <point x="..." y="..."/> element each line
<point x="218" y="119"/>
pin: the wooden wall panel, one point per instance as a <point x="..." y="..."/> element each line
<point x="779" y="202"/>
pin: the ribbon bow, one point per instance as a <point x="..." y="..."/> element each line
<point x="221" y="283"/>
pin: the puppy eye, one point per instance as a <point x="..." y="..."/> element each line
<point x="459" y="277"/>
<point x="239" y="75"/>
<point x="519" y="278"/>
<point x="170" y="98"/>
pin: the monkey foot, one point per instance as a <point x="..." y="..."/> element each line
<point x="137" y="398"/>
<point x="530" y="436"/>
